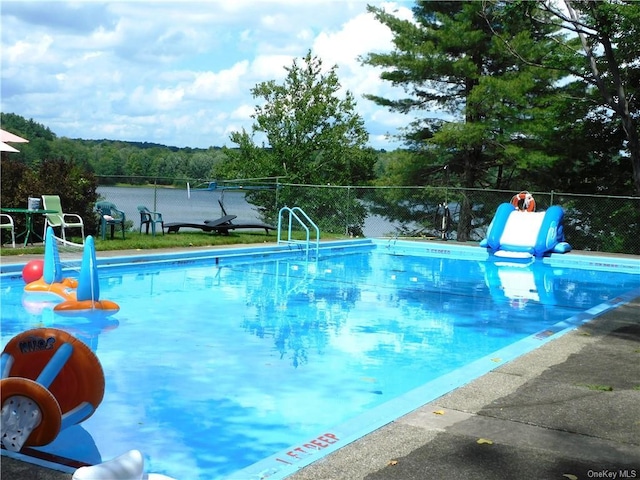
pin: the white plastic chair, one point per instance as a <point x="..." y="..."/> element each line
<point x="8" y="224"/>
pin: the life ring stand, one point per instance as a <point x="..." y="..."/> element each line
<point x="58" y="364"/>
<point x="527" y="201"/>
<point x="51" y="416"/>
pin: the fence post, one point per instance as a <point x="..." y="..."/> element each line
<point x="346" y="227"/>
<point x="551" y="198"/>
<point x="155" y="194"/>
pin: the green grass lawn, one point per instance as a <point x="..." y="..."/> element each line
<point x="184" y="239"/>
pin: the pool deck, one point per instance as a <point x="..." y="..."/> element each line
<point x="567" y="410"/>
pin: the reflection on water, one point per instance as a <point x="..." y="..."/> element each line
<point x="213" y="366"/>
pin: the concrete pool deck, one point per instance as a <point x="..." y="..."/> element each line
<point x="548" y="414"/>
<point x="568" y="410"/>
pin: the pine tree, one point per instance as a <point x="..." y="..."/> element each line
<point x="478" y="107"/>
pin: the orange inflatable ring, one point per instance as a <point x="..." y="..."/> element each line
<point x="51" y="420"/>
<point x="65" y="289"/>
<point x="79" y="380"/>
<point x="524" y="200"/>
<point x="82" y="305"/>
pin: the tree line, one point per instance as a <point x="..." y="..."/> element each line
<point x="502" y="95"/>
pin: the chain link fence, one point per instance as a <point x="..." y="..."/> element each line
<point x="592" y="222"/>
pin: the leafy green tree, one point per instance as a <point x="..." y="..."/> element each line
<point x="588" y="144"/>
<point x="106" y="162"/>
<point x="75" y="186"/>
<point x="169" y="166"/>
<point x="67" y="148"/>
<point x="39" y="136"/>
<point x="600" y="62"/>
<point x="478" y="111"/>
<point x="138" y="165"/>
<point x="201" y="164"/>
<point x="313" y="137"/>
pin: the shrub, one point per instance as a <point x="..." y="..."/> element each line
<point x="75" y="186"/>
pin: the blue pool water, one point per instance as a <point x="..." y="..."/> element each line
<point x="242" y="365"/>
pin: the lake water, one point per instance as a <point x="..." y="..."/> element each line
<point x="177" y="206"/>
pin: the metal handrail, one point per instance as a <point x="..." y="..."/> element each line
<point x="292" y="214"/>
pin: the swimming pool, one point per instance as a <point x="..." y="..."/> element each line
<point x="252" y="362"/>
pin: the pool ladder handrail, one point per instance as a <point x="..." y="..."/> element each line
<point x="292" y="214"/>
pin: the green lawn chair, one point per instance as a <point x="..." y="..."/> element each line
<point x="110" y="216"/>
<point x="149" y="218"/>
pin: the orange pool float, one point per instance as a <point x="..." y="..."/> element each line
<point x="65" y="288"/>
<point x="53" y="369"/>
<point x="80" y="305"/>
<point x="13" y="388"/>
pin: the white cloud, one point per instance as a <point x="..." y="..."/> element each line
<point x="270" y="67"/>
<point x="29" y="51"/>
<point x="214" y="86"/>
<point x="356" y="37"/>
<point x="243" y="112"/>
<point x="178" y="73"/>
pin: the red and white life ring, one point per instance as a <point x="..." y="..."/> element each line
<point x="524" y="201"/>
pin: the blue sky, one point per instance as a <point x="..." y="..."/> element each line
<point x="178" y="72"/>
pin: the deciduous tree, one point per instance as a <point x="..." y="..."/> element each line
<point x="312" y="135"/>
<point x="601" y="58"/>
